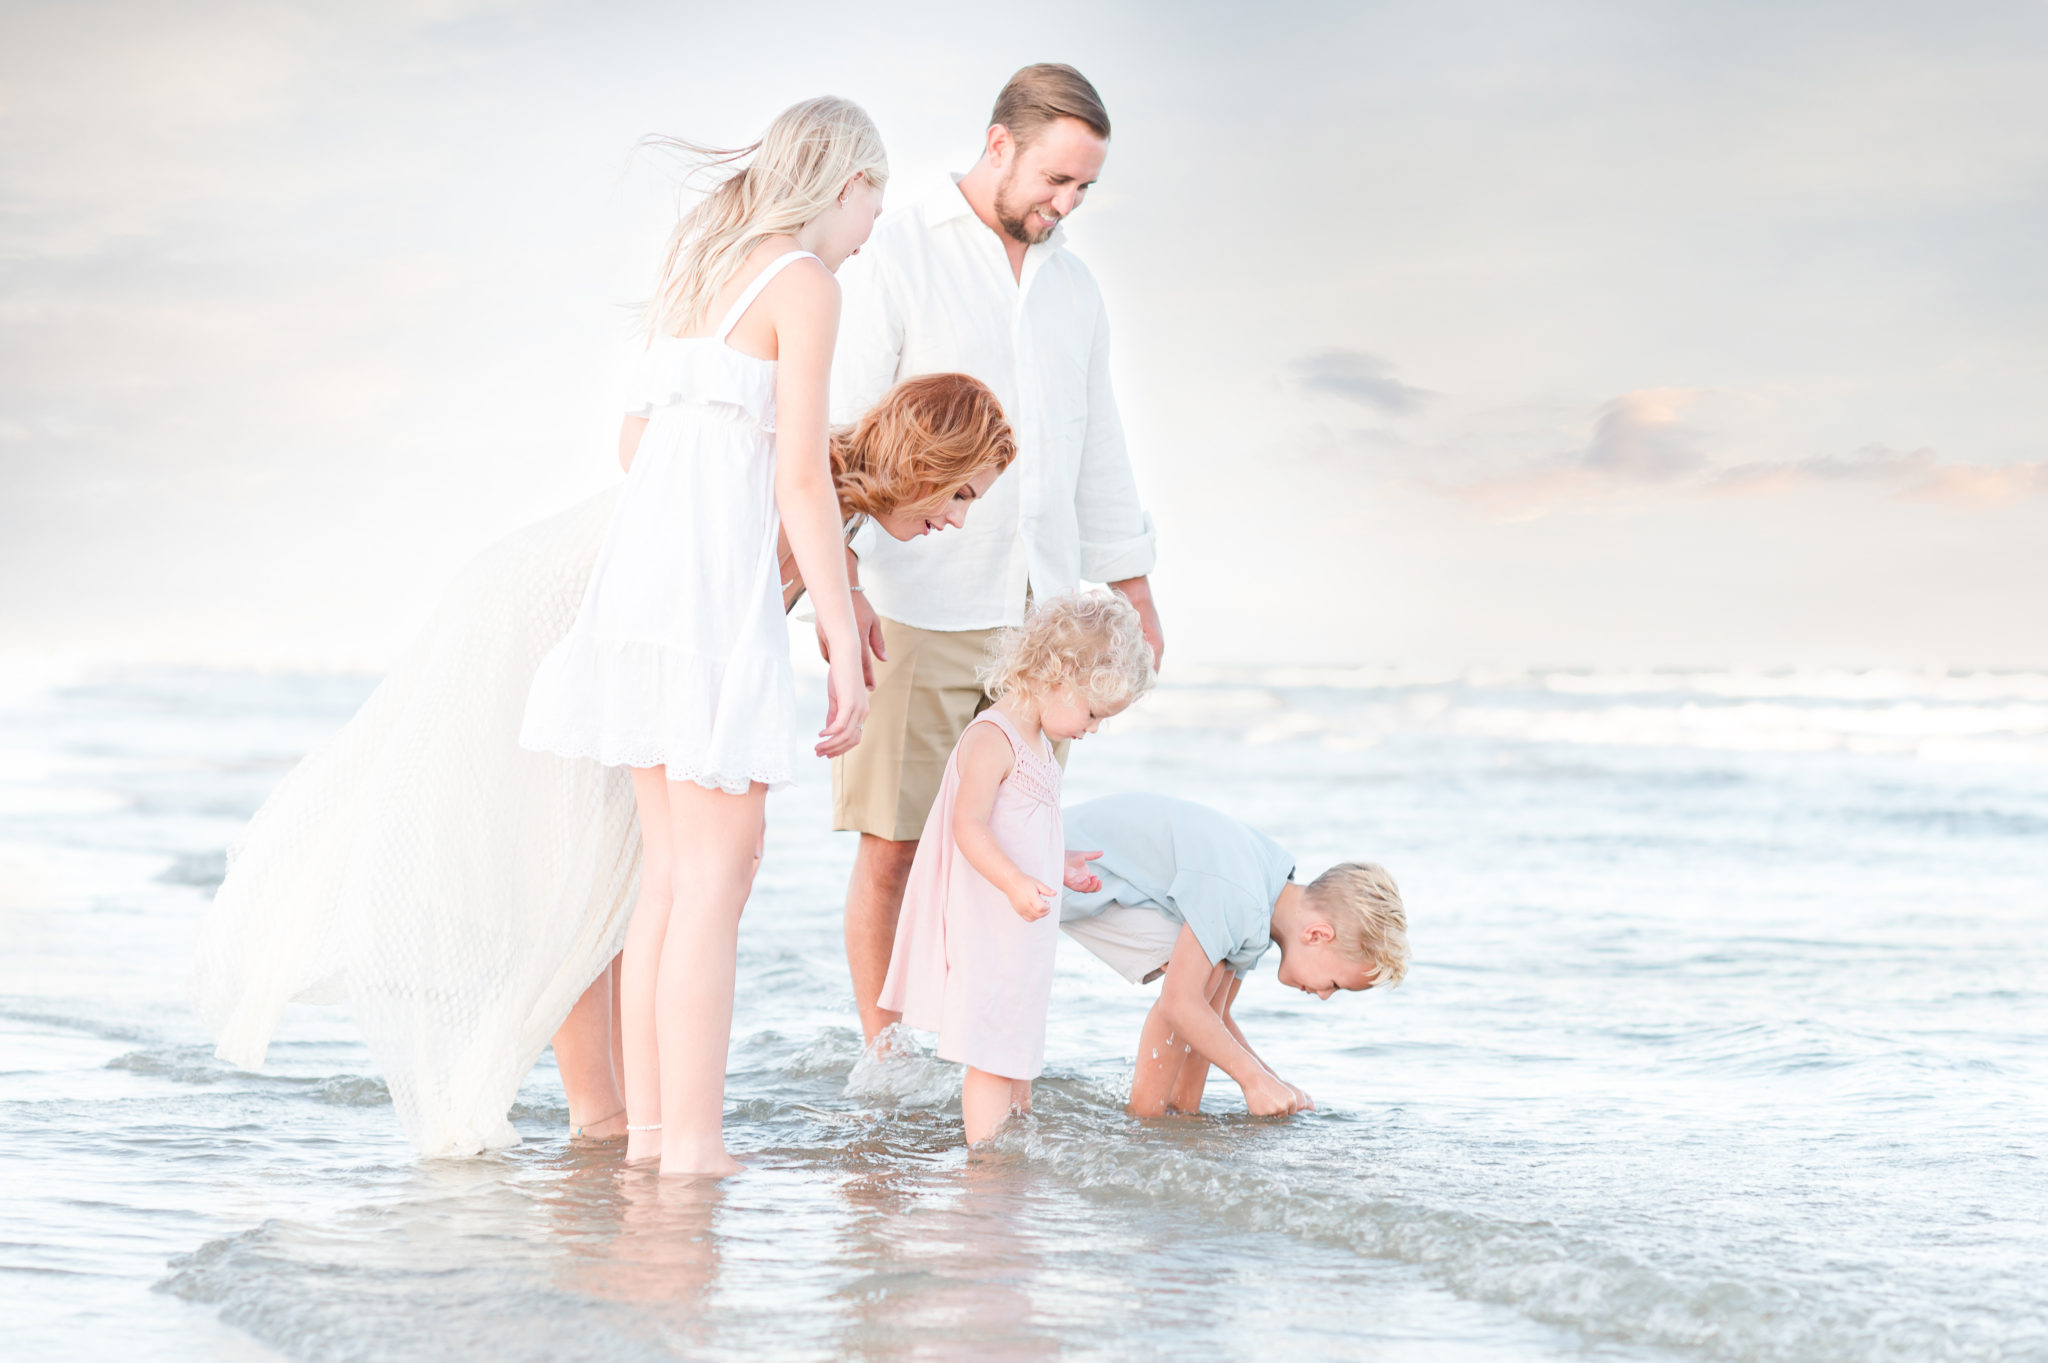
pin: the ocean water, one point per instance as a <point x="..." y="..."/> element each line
<point x="1723" y="1041"/>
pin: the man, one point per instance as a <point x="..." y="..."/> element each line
<point x="975" y="278"/>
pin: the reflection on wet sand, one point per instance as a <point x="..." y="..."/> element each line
<point x="630" y="1235"/>
<point x="951" y="1271"/>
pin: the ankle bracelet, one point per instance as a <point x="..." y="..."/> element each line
<point x="578" y="1131"/>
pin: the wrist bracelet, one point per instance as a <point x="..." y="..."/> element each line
<point x="855" y="587"/>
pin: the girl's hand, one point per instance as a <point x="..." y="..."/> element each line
<point x="1269" y="1097"/>
<point x="1078" y="877"/>
<point x="1029" y="899"/>
<point x="846" y="705"/>
<point x="1302" y="1102"/>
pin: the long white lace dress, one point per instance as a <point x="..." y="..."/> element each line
<point x="679" y="656"/>
<point x="458" y="890"/>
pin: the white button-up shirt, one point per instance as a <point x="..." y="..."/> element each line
<point x="932" y="292"/>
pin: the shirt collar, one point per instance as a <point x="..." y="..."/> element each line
<point x="945" y="203"/>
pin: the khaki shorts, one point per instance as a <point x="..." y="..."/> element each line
<point x="925" y="696"/>
<point x="1135" y="943"/>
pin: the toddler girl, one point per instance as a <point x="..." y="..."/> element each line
<point x="974" y="945"/>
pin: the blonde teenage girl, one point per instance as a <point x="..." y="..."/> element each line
<point x="974" y="946"/>
<point x="678" y="663"/>
<point x="460" y="892"/>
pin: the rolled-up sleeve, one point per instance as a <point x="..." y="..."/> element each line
<point x="870" y="347"/>
<point x="1116" y="536"/>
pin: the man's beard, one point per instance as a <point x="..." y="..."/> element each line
<point x="1014" y="222"/>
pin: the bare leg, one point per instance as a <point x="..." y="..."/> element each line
<point x="638" y="964"/>
<point x="1020" y="1095"/>
<point x="874" y="899"/>
<point x="583" y="1053"/>
<point x="1158" y="1068"/>
<point x="712" y="837"/>
<point x="618" y="1027"/>
<point x="1169" y="1076"/>
<point x="1194" y="1071"/>
<point x="984" y="1102"/>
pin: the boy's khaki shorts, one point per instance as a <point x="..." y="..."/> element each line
<point x="1135" y="943"/>
<point x="925" y="696"/>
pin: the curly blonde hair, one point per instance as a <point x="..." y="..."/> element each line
<point x="1092" y="643"/>
<point x="808" y="153"/>
<point x="1364" y="905"/>
<point x="926" y="439"/>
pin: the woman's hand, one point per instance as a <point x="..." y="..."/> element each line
<point x="867" y="621"/>
<point x="1030" y="899"/>
<point x="846" y="705"/>
<point x="867" y="624"/>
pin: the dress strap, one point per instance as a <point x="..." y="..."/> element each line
<point x="1033" y="776"/>
<point x="753" y="291"/>
<point x="1017" y="742"/>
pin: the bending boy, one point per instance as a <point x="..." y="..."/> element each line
<point x="1182" y="891"/>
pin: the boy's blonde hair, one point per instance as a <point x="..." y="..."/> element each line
<point x="1093" y="644"/>
<point x="808" y="153"/>
<point x="1364" y="906"/>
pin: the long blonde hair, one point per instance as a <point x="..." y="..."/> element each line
<point x="928" y="437"/>
<point x="798" y="168"/>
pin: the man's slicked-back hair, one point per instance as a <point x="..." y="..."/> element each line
<point x="1044" y="93"/>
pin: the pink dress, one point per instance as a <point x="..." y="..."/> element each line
<point x="965" y="965"/>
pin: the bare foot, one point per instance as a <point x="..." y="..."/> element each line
<point x="707" y="1161"/>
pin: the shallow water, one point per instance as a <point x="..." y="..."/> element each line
<point x="1721" y="1042"/>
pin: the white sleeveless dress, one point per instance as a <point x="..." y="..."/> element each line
<point x="458" y="891"/>
<point x="679" y="656"/>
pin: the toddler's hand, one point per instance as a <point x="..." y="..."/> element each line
<point x="1269" y="1097"/>
<point x="1078" y="877"/>
<point x="1030" y="900"/>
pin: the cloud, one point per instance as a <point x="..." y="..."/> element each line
<point x="1648" y="442"/>
<point x="1642" y="437"/>
<point x="1914" y="475"/>
<point x="1358" y="377"/>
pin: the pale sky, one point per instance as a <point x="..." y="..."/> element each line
<point x="1563" y="334"/>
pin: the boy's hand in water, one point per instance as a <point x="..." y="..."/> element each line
<point x="1266" y="1096"/>
<point x="1079" y="878"/>
<point x="1029" y="899"/>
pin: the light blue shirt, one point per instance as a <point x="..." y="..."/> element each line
<point x="1184" y="860"/>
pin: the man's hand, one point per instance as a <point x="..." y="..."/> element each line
<point x="1078" y="877"/>
<point x="1138" y="591"/>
